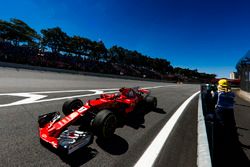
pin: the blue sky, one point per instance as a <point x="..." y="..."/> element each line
<point x="208" y="35"/>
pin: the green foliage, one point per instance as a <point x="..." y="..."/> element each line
<point x="18" y="31"/>
<point x="55" y="39"/>
<point x="192" y="73"/>
<point x="125" y="56"/>
<point x="6" y="30"/>
<point x="98" y="51"/>
<point x="79" y="46"/>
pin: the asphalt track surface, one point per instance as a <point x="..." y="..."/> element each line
<point x="19" y="141"/>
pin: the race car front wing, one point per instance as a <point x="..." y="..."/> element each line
<point x="53" y="130"/>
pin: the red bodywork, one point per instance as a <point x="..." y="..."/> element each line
<point x="125" y="102"/>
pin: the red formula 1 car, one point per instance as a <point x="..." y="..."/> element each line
<point x="99" y="116"/>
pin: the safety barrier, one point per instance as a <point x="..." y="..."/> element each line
<point x="222" y="138"/>
<point x="208" y="109"/>
<point x="245" y="77"/>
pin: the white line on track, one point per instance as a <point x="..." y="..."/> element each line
<point x="81" y="90"/>
<point x="33" y="97"/>
<point x="149" y="156"/>
<point x="58" y="91"/>
<point x="30" y="98"/>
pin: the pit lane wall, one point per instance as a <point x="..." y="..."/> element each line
<point x="224" y="145"/>
<point x="209" y="124"/>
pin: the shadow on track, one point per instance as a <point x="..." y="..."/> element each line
<point x="226" y="149"/>
<point x="224" y="142"/>
<point x="229" y="150"/>
<point x="77" y="158"/>
<point x="115" y="145"/>
<point x="136" y="119"/>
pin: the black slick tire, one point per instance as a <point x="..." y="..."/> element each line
<point x="71" y="105"/>
<point x="104" y="124"/>
<point x="151" y="102"/>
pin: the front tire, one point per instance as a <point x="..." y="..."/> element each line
<point x="71" y="105"/>
<point x="104" y="124"/>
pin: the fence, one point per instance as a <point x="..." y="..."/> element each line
<point x="243" y="69"/>
<point x="245" y="77"/>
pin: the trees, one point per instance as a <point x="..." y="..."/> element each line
<point x="6" y="30"/>
<point x="59" y="41"/>
<point x="98" y="51"/>
<point x="161" y="65"/>
<point x="117" y="55"/>
<point x="125" y="56"/>
<point x="55" y="39"/>
<point x="17" y="31"/>
<point x="74" y="48"/>
<point x="79" y="46"/>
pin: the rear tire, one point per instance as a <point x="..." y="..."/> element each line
<point x="104" y="124"/>
<point x="71" y="105"/>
